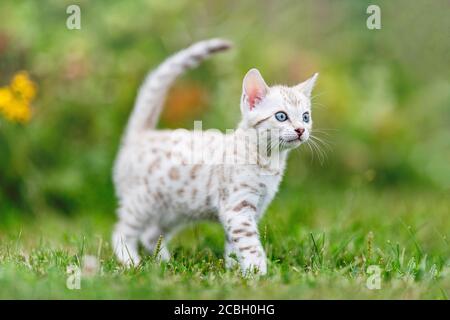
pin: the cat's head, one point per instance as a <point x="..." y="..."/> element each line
<point x="281" y="109"/>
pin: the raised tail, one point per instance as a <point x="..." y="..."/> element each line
<point x="151" y="95"/>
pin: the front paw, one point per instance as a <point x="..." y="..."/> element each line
<point x="254" y="265"/>
<point x="231" y="261"/>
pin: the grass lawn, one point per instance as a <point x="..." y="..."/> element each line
<point x="319" y="243"/>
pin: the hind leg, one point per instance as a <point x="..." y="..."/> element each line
<point x="149" y="240"/>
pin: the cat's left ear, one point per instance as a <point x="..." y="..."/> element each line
<point x="307" y="86"/>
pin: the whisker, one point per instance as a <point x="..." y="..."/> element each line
<point x="312" y="151"/>
<point x="320" y="152"/>
<point x="317" y="95"/>
<point x="322" y="142"/>
<point x="325" y="129"/>
<point x="314" y="147"/>
<point x="315" y="104"/>
<point x="324" y="139"/>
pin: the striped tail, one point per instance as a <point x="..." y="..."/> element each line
<point x="153" y="91"/>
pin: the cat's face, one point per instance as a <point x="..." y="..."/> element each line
<point x="284" y="111"/>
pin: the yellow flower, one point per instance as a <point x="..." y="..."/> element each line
<point x="5" y="96"/>
<point x="23" y="86"/>
<point x="15" y="99"/>
<point x="18" y="111"/>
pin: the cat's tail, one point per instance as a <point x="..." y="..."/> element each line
<point x="151" y="95"/>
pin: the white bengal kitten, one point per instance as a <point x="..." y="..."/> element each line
<point x="160" y="189"/>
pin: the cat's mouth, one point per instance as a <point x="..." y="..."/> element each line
<point x="292" y="142"/>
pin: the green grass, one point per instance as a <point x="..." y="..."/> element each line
<point x="319" y="243"/>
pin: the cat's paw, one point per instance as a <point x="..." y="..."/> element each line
<point x="231" y="261"/>
<point x="254" y="265"/>
<point x="126" y="251"/>
<point x="163" y="254"/>
<point x="129" y="262"/>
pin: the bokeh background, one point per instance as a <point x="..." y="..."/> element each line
<point x="382" y="102"/>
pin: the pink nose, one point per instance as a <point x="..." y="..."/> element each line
<point x="300" y="131"/>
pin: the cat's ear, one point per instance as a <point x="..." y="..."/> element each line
<point x="307" y="86"/>
<point x="254" y="88"/>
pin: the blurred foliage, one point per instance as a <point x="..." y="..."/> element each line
<point x="382" y="98"/>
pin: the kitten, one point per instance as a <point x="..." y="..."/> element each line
<point x="160" y="188"/>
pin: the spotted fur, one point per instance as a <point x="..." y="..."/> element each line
<point x="160" y="188"/>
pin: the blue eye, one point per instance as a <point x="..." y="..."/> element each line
<point x="281" y="116"/>
<point x="306" y="117"/>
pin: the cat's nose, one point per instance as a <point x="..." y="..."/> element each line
<point x="300" y="131"/>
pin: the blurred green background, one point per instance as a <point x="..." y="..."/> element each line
<point x="383" y="96"/>
<point x="382" y="101"/>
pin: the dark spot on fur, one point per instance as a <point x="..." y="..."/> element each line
<point x="244" y="204"/>
<point x="194" y="171"/>
<point x="174" y="174"/>
<point x="208" y="201"/>
<point x="252" y="189"/>
<point x="154" y="165"/>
